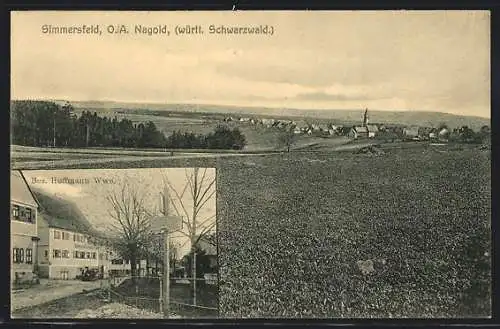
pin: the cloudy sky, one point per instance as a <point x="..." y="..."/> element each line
<point x="91" y="197"/>
<point x="385" y="60"/>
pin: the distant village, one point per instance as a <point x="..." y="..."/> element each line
<point x="363" y="130"/>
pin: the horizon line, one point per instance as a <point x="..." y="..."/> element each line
<point x="361" y="108"/>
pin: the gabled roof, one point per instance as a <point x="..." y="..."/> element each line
<point x="361" y="129"/>
<point x="411" y="130"/>
<point x="63" y="214"/>
<point x="20" y="190"/>
<point x="372" y="128"/>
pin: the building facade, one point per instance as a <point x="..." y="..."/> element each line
<point x="64" y="254"/>
<point x="23" y="229"/>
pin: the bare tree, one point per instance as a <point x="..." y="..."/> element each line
<point x="131" y="223"/>
<point x="201" y="189"/>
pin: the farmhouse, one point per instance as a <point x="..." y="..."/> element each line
<point x="358" y="132"/>
<point x="411" y="132"/>
<point x="433" y="134"/>
<point x="23" y="229"/>
<point x="372" y="130"/>
<point x="443" y="134"/>
<point x="424" y="132"/>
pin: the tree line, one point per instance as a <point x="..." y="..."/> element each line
<point x="222" y="138"/>
<point x="44" y="123"/>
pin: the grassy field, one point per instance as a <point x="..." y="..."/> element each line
<point x="292" y="230"/>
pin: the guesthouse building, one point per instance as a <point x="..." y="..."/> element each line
<point x="23" y="229"/>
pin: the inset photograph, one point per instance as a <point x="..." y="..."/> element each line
<point x="131" y="243"/>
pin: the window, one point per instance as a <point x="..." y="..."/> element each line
<point x="15" y="255"/>
<point x="21" y="255"/>
<point x="65" y="254"/>
<point x="88" y="255"/>
<point x="93" y="255"/>
<point x="28" y="215"/>
<point x="46" y="253"/>
<point x="29" y="256"/>
<point x="57" y="234"/>
<point x="15" y="211"/>
<point x="79" y="254"/>
<point x="74" y="237"/>
<point x="65" y="235"/>
<point x="56" y="253"/>
<point x="117" y="261"/>
<point x="23" y="214"/>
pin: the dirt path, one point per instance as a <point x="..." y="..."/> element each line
<point x="48" y="291"/>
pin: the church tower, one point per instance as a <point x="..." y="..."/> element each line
<point x="365" y="118"/>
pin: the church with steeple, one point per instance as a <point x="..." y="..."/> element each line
<point x="365" y="130"/>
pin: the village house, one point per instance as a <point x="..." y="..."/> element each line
<point x="68" y="245"/>
<point x="424" y="132"/>
<point x="268" y="122"/>
<point x="358" y="132"/>
<point x="372" y="130"/>
<point x="443" y="134"/>
<point x="23" y="229"/>
<point x="433" y="134"/>
<point x="210" y="252"/>
<point x="64" y="253"/>
<point x="411" y="132"/>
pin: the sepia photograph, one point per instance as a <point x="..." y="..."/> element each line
<point x="132" y="243"/>
<point x="352" y="150"/>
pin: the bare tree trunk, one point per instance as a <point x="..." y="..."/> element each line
<point x="133" y="269"/>
<point x="194" y="277"/>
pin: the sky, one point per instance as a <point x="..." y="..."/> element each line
<point x="90" y="197"/>
<point x="383" y="60"/>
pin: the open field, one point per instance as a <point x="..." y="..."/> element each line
<point x="292" y="230"/>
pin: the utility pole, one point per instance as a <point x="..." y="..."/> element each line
<point x="54" y="142"/>
<point x="166" y="260"/>
<point x="87" y="136"/>
<point x="194" y="276"/>
<point x="166" y="274"/>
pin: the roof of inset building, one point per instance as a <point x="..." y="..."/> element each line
<point x="19" y="189"/>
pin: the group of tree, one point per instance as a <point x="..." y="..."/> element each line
<point x="44" y="123"/>
<point x="134" y="238"/>
<point x="464" y="134"/>
<point x="222" y="138"/>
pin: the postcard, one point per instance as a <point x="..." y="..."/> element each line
<point x="289" y="164"/>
